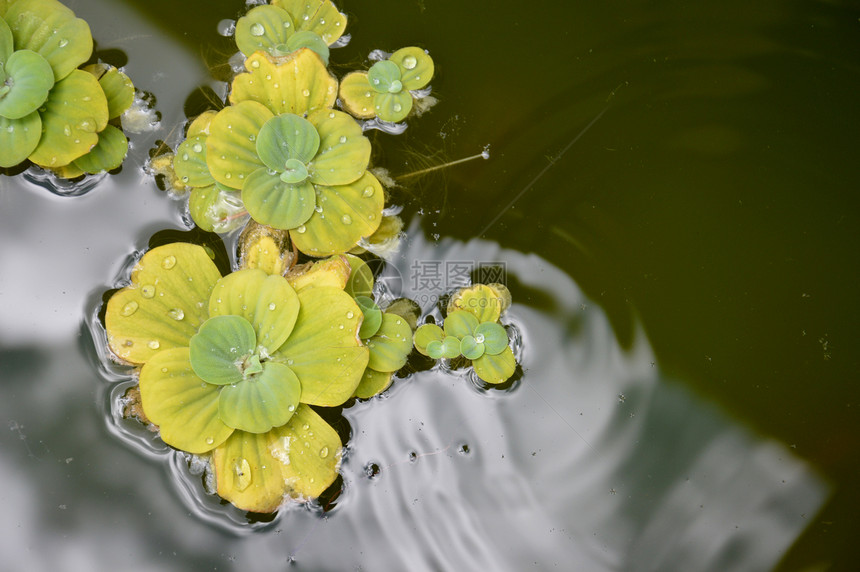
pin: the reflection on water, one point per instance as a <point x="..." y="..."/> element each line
<point x="592" y="460"/>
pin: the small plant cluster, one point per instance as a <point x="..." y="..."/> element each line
<point x="231" y="367"/>
<point x="53" y="112"/>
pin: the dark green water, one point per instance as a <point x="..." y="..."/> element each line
<point x="673" y="190"/>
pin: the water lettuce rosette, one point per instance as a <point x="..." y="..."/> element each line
<point x="52" y="113"/>
<point x="230" y="367"/>
<point x="472" y="330"/>
<point x="285" y="26"/>
<point x="385" y="90"/>
<point x="296" y="163"/>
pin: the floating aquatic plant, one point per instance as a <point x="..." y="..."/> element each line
<point x="230" y="365"/>
<point x="294" y="162"/>
<point x="385" y="90"/>
<point x="52" y="113"/>
<point x="285" y="26"/>
<point x="471" y="330"/>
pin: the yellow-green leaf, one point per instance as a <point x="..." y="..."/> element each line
<point x="184" y="407"/>
<point x="482" y="301"/>
<point x="347" y="213"/>
<point x="318" y="16"/>
<point x="256" y="472"/>
<point x="496" y="368"/>
<point x="107" y="155"/>
<point x="231" y="148"/>
<point x="324" y="349"/>
<point x="373" y="383"/>
<point x="357" y="96"/>
<point x="391" y="344"/>
<point x="165" y="303"/>
<point x="75" y="112"/>
<point x="297" y="83"/>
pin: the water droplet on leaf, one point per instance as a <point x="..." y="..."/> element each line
<point x="257" y="29"/>
<point x="147" y="291"/>
<point x="129" y="308"/>
<point x="409" y="62"/>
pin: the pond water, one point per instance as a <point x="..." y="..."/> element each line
<point x="672" y="193"/>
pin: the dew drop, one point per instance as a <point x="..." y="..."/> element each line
<point x="324" y="452"/>
<point x="209" y="440"/>
<point x="301" y="229"/>
<point x="63" y="43"/>
<point x="185" y="179"/>
<point x="343" y="139"/>
<point x="409" y="62"/>
<point x="331" y="115"/>
<point x="255" y="64"/>
<point x="257" y="29"/>
<point x="164" y="370"/>
<point x="176" y="313"/>
<point x="368" y="192"/>
<point x="147" y="291"/>
<point x="306" y="92"/>
<point x="272" y="306"/>
<point x="479" y="338"/>
<point x="168" y="262"/>
<point x="197" y="148"/>
<point x="185" y="157"/>
<point x="242" y="471"/>
<point x="67" y="130"/>
<point x="153" y="345"/>
<point x="396" y="107"/>
<point x="346" y="219"/>
<point x="130" y="308"/>
<point x="349" y="315"/>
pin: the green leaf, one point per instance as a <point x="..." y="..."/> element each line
<point x="391" y="344"/>
<point x="494" y="337"/>
<point x="298" y="83"/>
<point x="48" y="27"/>
<point x="435" y="349"/>
<point x="263" y="28"/>
<point x="286" y="137"/>
<point x="360" y="281"/>
<point x="324" y="350"/>
<point x="74" y="113"/>
<point x="107" y="155"/>
<point x="496" y="368"/>
<point x="184" y="408"/>
<point x="450" y="347"/>
<point x="344" y="151"/>
<point x="18" y="138"/>
<point x="460" y="323"/>
<point x="262" y="401"/>
<point x="373" y="383"/>
<point x="7" y="43"/>
<point x="273" y="202"/>
<point x="393" y="107"/>
<point x="189" y="163"/>
<point x="267" y="302"/>
<point x="425" y="335"/>
<point x="216" y="208"/>
<point x="28" y="80"/>
<point x="372" y="317"/>
<point x="407" y="309"/>
<point x="221" y="346"/>
<point x="117" y="86"/>
<point x="384" y="77"/>
<point x="416" y="67"/>
<point x="310" y="40"/>
<point x="345" y="214"/>
<point x="471" y="348"/>
<point x="165" y="304"/>
<point x="486" y="303"/>
<point x="357" y="96"/>
<point x="231" y="148"/>
<point x="256" y="472"/>
<point x="318" y="16"/>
